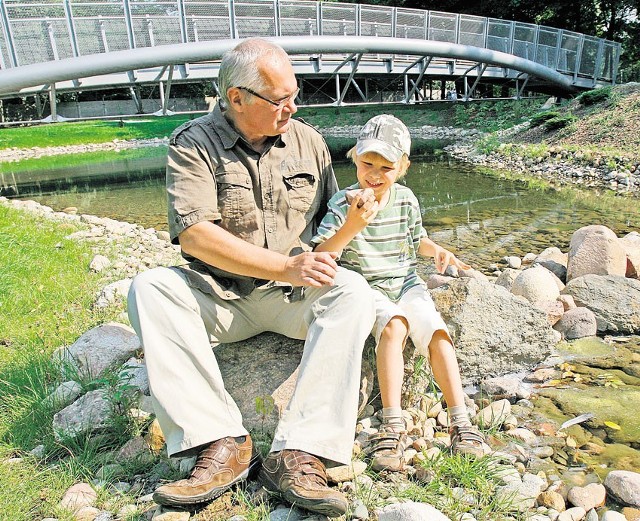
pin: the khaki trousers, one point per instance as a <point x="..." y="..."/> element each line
<point x="179" y="327"/>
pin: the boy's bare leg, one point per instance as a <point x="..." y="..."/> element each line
<point x="390" y="361"/>
<point x="446" y="371"/>
<point x="465" y="438"/>
<point x="387" y="447"/>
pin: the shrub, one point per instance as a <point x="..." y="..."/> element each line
<point x="591" y="97"/>
<point x="543" y="117"/>
<point x="560" y="121"/>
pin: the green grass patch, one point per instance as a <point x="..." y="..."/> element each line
<point x="82" y="132"/>
<point x="64" y="161"/>
<point x="591" y="97"/>
<point x="542" y="117"/>
<point x="46" y="292"/>
<point x="28" y="491"/>
<point x="460" y="484"/>
<point x="489" y="116"/>
<point x="559" y="122"/>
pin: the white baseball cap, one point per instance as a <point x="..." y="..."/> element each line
<point x="385" y="135"/>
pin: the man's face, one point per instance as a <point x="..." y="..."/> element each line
<point x="262" y="118"/>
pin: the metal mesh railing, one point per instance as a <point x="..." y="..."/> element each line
<point x="33" y="31"/>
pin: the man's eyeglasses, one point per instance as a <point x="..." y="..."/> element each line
<point x="279" y="103"/>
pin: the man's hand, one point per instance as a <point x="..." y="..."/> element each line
<point x="311" y="269"/>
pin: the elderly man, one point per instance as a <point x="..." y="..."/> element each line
<point x="247" y="187"/>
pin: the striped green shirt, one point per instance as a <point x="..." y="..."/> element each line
<point x="385" y="252"/>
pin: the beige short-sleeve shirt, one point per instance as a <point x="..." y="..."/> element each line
<point x="274" y="199"/>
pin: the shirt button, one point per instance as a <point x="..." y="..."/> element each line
<point x="227" y="294"/>
<point x="270" y="230"/>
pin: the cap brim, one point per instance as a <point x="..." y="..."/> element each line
<point x="379" y="147"/>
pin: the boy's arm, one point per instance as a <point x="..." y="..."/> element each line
<point x="361" y="212"/>
<point x="441" y="256"/>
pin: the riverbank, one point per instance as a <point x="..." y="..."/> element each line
<point x="12" y="155"/>
<point x="592" y="142"/>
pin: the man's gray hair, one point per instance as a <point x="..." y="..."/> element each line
<point x="239" y="66"/>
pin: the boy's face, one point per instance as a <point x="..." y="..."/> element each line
<point x="377" y="173"/>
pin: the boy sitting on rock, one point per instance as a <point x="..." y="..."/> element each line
<point x="381" y="241"/>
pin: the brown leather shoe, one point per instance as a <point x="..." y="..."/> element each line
<point x="219" y="466"/>
<point x="301" y="479"/>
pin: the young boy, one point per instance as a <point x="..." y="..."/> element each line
<point x="381" y="240"/>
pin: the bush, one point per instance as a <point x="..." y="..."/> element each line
<point x="559" y="122"/>
<point x="591" y="97"/>
<point x="543" y="117"/>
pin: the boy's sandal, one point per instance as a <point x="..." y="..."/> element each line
<point x="468" y="440"/>
<point x="387" y="450"/>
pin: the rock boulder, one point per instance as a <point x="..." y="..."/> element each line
<point x="595" y="250"/>
<point x="615" y="301"/>
<point x="494" y="331"/>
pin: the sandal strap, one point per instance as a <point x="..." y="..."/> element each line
<point x="465" y="435"/>
<point x="384" y="440"/>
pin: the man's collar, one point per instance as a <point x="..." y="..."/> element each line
<point x="230" y="136"/>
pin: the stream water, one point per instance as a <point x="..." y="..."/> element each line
<point x="481" y="217"/>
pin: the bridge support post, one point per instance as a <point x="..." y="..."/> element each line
<point x="137" y="99"/>
<point x="38" y="106"/>
<point x="53" y="103"/>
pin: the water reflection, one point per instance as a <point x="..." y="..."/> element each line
<point x="481" y="218"/>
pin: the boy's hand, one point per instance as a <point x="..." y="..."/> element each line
<point x="362" y="210"/>
<point x="362" y="196"/>
<point x="443" y="258"/>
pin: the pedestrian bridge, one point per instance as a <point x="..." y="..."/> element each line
<point x="342" y="53"/>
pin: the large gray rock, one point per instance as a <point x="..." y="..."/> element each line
<point x="494" y="332"/>
<point x="615" y="301"/>
<point x="133" y="375"/>
<point x="260" y="373"/>
<point x="86" y="415"/>
<point x="100" y="349"/>
<point x="577" y="323"/>
<point x="595" y="250"/>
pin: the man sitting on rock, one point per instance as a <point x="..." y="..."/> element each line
<point x="247" y="188"/>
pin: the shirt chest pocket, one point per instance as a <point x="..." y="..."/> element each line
<point x="234" y="194"/>
<point x="302" y="188"/>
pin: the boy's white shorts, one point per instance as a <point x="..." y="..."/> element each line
<point x="417" y="307"/>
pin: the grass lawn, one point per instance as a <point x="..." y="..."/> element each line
<point x="46" y="291"/>
<point x="82" y="132"/>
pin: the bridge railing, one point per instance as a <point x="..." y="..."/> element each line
<point x="35" y="31"/>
